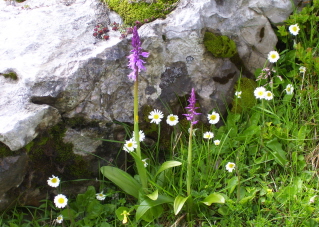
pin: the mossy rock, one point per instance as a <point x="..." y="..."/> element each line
<point x="219" y="45"/>
<point x="247" y="100"/>
<point x="11" y="75"/>
<point x="141" y="11"/>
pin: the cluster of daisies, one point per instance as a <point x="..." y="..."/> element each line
<point x="273" y="57"/>
<point x="61" y="200"/>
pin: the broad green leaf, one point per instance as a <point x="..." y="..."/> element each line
<point x="179" y="203"/>
<point x="214" y="198"/>
<point x="167" y="165"/>
<point x="277" y="151"/>
<point x="153" y="196"/>
<point x="148" y="204"/>
<point x="122" y="179"/>
<point x="232" y="183"/>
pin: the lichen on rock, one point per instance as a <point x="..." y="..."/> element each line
<point x="219" y="45"/>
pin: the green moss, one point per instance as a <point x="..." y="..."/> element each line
<point x="49" y="154"/>
<point x="219" y="45"/>
<point x="11" y="75"/>
<point x="247" y="100"/>
<point x="131" y="12"/>
<point x="5" y="151"/>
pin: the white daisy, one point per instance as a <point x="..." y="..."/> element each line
<point x="238" y="94"/>
<point x="216" y="142"/>
<point x="269" y="95"/>
<point x="260" y="92"/>
<point x="54" y="181"/>
<point x="60" y="201"/>
<point x="230" y="166"/>
<point x="208" y="135"/>
<point x="213" y="118"/>
<point x="129" y="145"/>
<point x="294" y="29"/>
<point x="273" y="56"/>
<point x="141" y="136"/>
<point x="156" y="116"/>
<point x="289" y="89"/>
<point x="302" y="69"/>
<point x="59" y="219"/>
<point x="100" y="196"/>
<point x="172" y="119"/>
<point x="145" y="163"/>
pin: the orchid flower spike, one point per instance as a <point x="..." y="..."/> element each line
<point x="191" y="108"/>
<point x="135" y="62"/>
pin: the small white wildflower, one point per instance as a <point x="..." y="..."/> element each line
<point x="130" y="145"/>
<point x="269" y="95"/>
<point x="141" y="136"/>
<point x="208" y="135"/>
<point x="294" y="29"/>
<point x="289" y="89"/>
<point x="213" y="118"/>
<point x="60" y="201"/>
<point x="302" y="69"/>
<point x="172" y="119"/>
<point x="144" y="162"/>
<point x="230" y="166"/>
<point x="59" y="219"/>
<point x="260" y="92"/>
<point x="54" y="181"/>
<point x="238" y="94"/>
<point x="156" y="116"/>
<point x="100" y="196"/>
<point x="273" y="56"/>
<point x="312" y="199"/>
<point x="216" y="142"/>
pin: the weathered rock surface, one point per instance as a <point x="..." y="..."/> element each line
<point x="64" y="72"/>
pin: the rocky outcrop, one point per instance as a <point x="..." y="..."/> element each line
<point x="64" y="72"/>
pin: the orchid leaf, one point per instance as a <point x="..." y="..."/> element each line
<point x="214" y="198"/>
<point x="122" y="179"/>
<point x="179" y="203"/>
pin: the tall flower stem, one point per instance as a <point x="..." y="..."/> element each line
<point x="136" y="64"/>
<point x="189" y="162"/>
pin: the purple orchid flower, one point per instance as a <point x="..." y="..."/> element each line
<point x="191" y="108"/>
<point x="135" y="62"/>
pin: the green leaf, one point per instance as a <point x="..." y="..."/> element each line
<point x="179" y="203"/>
<point x="232" y="183"/>
<point x="153" y="196"/>
<point x="214" y="198"/>
<point x="148" y="204"/>
<point x="277" y="151"/>
<point x="122" y="179"/>
<point x="167" y="165"/>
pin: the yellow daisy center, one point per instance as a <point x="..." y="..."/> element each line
<point x="172" y="118"/>
<point x="130" y="144"/>
<point x="231" y="165"/>
<point x="273" y="56"/>
<point x="61" y="200"/>
<point x="288" y="89"/>
<point x="294" y="28"/>
<point x="54" y="180"/>
<point x="269" y="94"/>
<point x="212" y="117"/>
<point x="260" y="93"/>
<point x="156" y="116"/>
